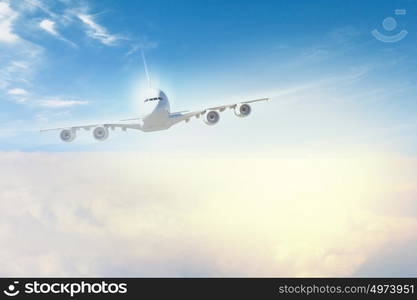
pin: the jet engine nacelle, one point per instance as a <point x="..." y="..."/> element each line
<point x="243" y="110"/>
<point x="67" y="135"/>
<point x="212" y="117"/>
<point x="101" y="133"/>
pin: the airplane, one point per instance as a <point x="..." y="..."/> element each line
<point x="158" y="116"/>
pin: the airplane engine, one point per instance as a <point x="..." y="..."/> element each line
<point x="212" y="117"/>
<point x="101" y="133"/>
<point x="67" y="135"/>
<point x="243" y="110"/>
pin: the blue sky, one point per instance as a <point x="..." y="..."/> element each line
<point x="76" y="62"/>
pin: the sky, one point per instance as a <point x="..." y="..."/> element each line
<point x="334" y="85"/>
<point x="319" y="181"/>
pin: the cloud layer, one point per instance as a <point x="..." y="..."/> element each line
<point x="141" y="215"/>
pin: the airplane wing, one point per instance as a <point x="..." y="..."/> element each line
<point x="112" y="126"/>
<point x="100" y="133"/>
<point x="181" y="116"/>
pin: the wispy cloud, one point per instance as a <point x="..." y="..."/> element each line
<point x="46" y="116"/>
<point x="7" y="17"/>
<point x="97" y="31"/>
<point x="17" y="92"/>
<point x="344" y="35"/>
<point x="18" y="63"/>
<point x="144" y="43"/>
<point x="326" y="82"/>
<point x="21" y="57"/>
<point x="18" y="95"/>
<point x="59" y="103"/>
<point x="18" y="56"/>
<point x="49" y="26"/>
<point x="33" y="5"/>
<point x="133" y="50"/>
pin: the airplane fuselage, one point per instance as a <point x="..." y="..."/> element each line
<point x="157" y="112"/>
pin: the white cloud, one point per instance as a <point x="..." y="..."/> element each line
<point x="97" y="31"/>
<point x="57" y="115"/>
<point x="123" y="214"/>
<point x="144" y="44"/>
<point x="17" y="92"/>
<point x="7" y="17"/>
<point x="19" y="95"/>
<point x="33" y="5"/>
<point x="19" y="57"/>
<point x="48" y="26"/>
<point x="133" y="50"/>
<point x="18" y="63"/>
<point x="58" y="103"/>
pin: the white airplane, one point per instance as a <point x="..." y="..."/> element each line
<point x="157" y="116"/>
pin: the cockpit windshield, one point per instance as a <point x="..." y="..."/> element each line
<point x="153" y="99"/>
